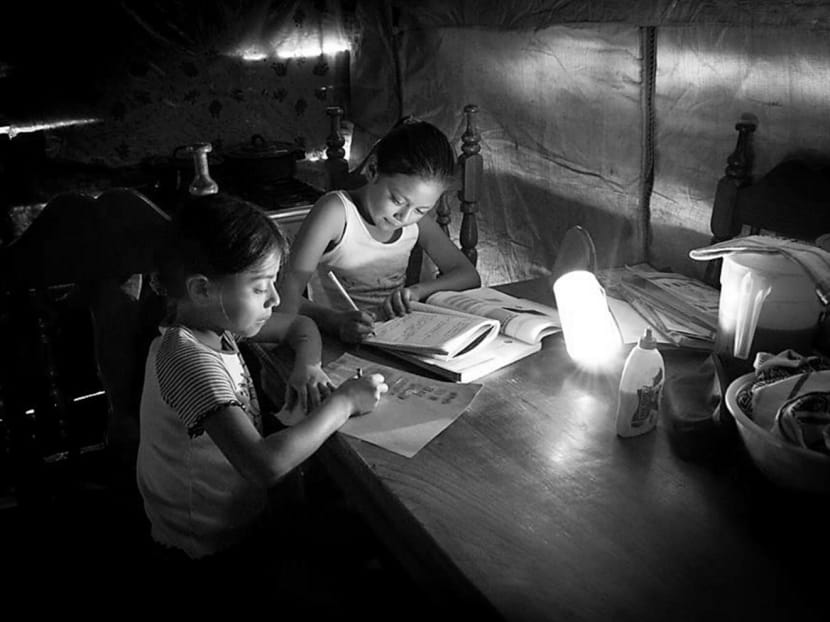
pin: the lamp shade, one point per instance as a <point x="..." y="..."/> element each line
<point x="591" y="334"/>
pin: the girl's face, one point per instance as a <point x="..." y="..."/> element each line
<point x="246" y="299"/>
<point x="393" y="201"/>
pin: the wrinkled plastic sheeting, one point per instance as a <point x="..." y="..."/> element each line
<point x="535" y="14"/>
<point x="162" y="74"/>
<point x="559" y="123"/>
<point x="708" y="76"/>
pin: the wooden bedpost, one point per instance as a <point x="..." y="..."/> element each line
<point x="724" y="224"/>
<point x="336" y="165"/>
<point x="471" y="170"/>
<point x="443" y="214"/>
<point x="738" y="171"/>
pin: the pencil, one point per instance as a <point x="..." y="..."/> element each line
<point x="343" y="291"/>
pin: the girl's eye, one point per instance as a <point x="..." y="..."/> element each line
<point x="397" y="201"/>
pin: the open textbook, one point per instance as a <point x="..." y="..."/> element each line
<point x="434" y="332"/>
<point x="520" y="326"/>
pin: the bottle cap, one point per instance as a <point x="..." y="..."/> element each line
<point x="647" y="341"/>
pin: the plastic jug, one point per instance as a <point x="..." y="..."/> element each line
<point x="767" y="303"/>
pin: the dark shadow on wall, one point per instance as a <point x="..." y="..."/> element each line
<point x="805" y="186"/>
<point x="521" y="227"/>
<point x="59" y="57"/>
<point x="674" y="243"/>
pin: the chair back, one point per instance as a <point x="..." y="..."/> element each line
<point x="91" y="255"/>
<point x="791" y="200"/>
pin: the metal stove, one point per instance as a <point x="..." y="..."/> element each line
<point x="287" y="200"/>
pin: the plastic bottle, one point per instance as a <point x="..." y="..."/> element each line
<point x="641" y="386"/>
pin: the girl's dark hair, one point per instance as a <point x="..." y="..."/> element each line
<point x="216" y="235"/>
<point x="415" y="147"/>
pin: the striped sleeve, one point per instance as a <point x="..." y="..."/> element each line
<point x="192" y="381"/>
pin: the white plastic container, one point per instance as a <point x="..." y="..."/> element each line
<point x="641" y="388"/>
<point x="767" y="303"/>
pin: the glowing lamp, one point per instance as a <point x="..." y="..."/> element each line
<point x="591" y="334"/>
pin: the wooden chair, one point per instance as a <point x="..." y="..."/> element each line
<point x="77" y="273"/>
<point x="791" y="200"/>
<point x="471" y="166"/>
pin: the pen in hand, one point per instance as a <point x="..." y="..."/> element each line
<point x="342" y="291"/>
<point x="345" y="294"/>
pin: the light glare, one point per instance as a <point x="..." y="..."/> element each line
<point x="591" y="335"/>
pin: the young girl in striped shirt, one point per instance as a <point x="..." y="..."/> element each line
<point x="204" y="465"/>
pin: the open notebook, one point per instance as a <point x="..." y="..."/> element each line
<point x="521" y="325"/>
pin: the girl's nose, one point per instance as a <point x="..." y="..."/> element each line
<point x="274" y="297"/>
<point x="403" y="215"/>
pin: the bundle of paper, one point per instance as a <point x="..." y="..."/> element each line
<point x="682" y="308"/>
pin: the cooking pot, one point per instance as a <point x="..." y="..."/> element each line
<point x="263" y="160"/>
<point x="171" y="175"/>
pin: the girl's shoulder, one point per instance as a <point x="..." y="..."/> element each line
<point x="180" y="342"/>
<point x="334" y="200"/>
<point x="329" y="213"/>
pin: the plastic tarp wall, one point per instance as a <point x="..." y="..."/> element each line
<point x="557" y="106"/>
<point x="707" y="77"/>
<point x="564" y="121"/>
<point x="167" y="73"/>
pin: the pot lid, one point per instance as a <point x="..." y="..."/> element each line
<point x="259" y="147"/>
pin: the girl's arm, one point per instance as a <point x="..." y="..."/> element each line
<point x="264" y="460"/>
<point x="321" y="228"/>
<point x="308" y="384"/>
<point x="457" y="273"/>
<point x="298" y="331"/>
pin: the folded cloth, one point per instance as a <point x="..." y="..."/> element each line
<point x="814" y="260"/>
<point x="770" y="366"/>
<point x="805" y="421"/>
<point x="780" y="378"/>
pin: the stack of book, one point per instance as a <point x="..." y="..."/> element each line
<point x="681" y="309"/>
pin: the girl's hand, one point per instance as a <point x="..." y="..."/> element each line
<point x="309" y="386"/>
<point x="354" y="326"/>
<point x="398" y="302"/>
<point x="363" y="393"/>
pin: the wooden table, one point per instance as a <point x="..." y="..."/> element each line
<point x="529" y="507"/>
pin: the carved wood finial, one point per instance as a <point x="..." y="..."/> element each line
<point x="739" y="163"/>
<point x="724" y="222"/>
<point x="471" y="165"/>
<point x="470" y="140"/>
<point x="336" y="164"/>
<point x="335" y="140"/>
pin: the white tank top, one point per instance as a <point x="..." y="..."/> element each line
<point x="369" y="270"/>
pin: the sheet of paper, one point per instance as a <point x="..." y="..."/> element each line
<point x="632" y="324"/>
<point x="411" y="414"/>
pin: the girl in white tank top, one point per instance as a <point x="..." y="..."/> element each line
<point x="364" y="237"/>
